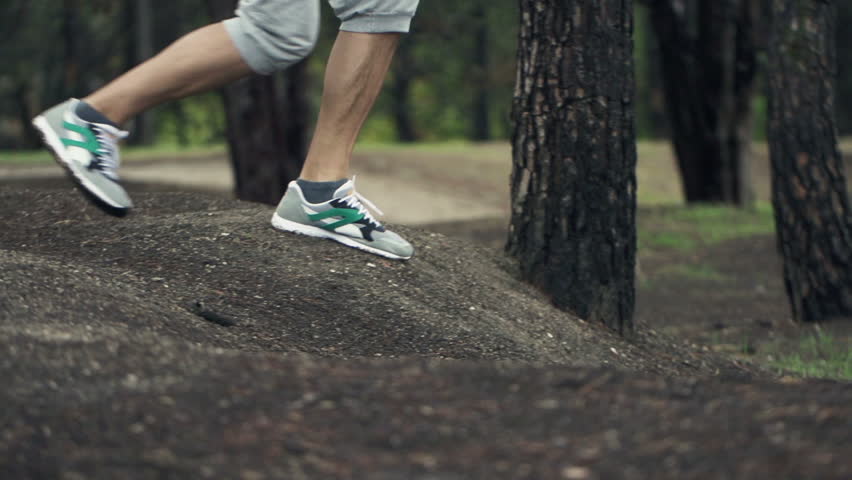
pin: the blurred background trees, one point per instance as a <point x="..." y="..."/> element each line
<point x="699" y="65"/>
<point x="708" y="67"/>
<point x="452" y="81"/>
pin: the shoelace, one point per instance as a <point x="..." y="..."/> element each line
<point x="108" y="158"/>
<point x="357" y="201"/>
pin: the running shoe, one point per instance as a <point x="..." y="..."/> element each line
<point x="345" y="219"/>
<point x="88" y="152"/>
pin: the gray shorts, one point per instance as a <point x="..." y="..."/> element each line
<point x="271" y="35"/>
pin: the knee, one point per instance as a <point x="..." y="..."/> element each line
<point x="272" y="36"/>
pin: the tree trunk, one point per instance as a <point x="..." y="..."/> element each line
<point x="709" y="66"/>
<point x="400" y="91"/>
<point x="844" y="62"/>
<point x="651" y="119"/>
<point x="144" y="127"/>
<point x="71" y="34"/>
<point x="481" y="104"/>
<point x="573" y="226"/>
<point x="267" y="127"/>
<point x="812" y="213"/>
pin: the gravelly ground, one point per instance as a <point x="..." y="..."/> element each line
<point x="309" y="360"/>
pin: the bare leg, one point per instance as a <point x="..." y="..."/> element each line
<point x="200" y="61"/>
<point x="354" y="76"/>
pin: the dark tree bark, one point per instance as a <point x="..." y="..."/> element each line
<point x="709" y="66"/>
<point x="144" y="127"/>
<point x="266" y="121"/>
<point x="651" y="116"/>
<point x="71" y="34"/>
<point x="404" y="72"/>
<point x="812" y="213"/>
<point x="267" y="127"/>
<point x="481" y="114"/>
<point x="573" y="226"/>
<point x="844" y="63"/>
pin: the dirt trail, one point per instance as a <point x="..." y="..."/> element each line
<point x="415" y="189"/>
<point x="309" y="360"/>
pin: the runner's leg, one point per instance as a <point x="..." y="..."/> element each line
<point x="202" y="60"/>
<point x="264" y="37"/>
<point x="354" y="76"/>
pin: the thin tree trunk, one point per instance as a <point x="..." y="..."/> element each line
<point x="651" y="119"/>
<point x="573" y="226"/>
<point x="812" y="211"/>
<point x="400" y="92"/>
<point x="844" y="63"/>
<point x="709" y="65"/>
<point x="29" y="139"/>
<point x="71" y="50"/>
<point x="481" y="103"/>
<point x="266" y="127"/>
<point x="144" y="127"/>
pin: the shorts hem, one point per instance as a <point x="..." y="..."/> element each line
<point x="240" y="37"/>
<point x="377" y="24"/>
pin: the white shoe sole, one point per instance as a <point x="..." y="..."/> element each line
<point x="54" y="144"/>
<point x="311" y="231"/>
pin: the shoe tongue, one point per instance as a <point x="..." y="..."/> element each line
<point x="345" y="190"/>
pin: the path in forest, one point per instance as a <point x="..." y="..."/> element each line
<point x="191" y="340"/>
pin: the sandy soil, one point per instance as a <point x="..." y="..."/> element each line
<point x="190" y="340"/>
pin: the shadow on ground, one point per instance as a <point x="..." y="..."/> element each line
<point x="191" y="340"/>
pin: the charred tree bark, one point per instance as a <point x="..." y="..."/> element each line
<point x="481" y="102"/>
<point x="404" y="72"/>
<point x="812" y="213"/>
<point x="709" y="66"/>
<point x="266" y="127"/>
<point x="573" y="227"/>
<point x="144" y="127"/>
<point x="844" y="63"/>
<point x="71" y="29"/>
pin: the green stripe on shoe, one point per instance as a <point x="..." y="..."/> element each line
<point x="350" y="215"/>
<point x="91" y="143"/>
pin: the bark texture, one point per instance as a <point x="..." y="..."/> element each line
<point x="573" y="225"/>
<point x="709" y="65"/>
<point x="267" y="122"/>
<point x="809" y="193"/>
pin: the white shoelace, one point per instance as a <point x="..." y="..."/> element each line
<point x="358" y="201"/>
<point x="109" y="157"/>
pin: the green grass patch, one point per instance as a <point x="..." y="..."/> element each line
<point x="698" y="271"/>
<point x="667" y="240"/>
<point x="819" y="355"/>
<point x="43" y="157"/>
<point x="686" y="228"/>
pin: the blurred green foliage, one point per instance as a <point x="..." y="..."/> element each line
<point x="453" y="76"/>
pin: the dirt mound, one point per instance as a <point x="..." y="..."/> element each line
<point x="213" y="272"/>
<point x="191" y="340"/>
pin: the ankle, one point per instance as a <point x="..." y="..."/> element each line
<point x="313" y="175"/>
<point x="318" y="192"/>
<point x="114" y="115"/>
